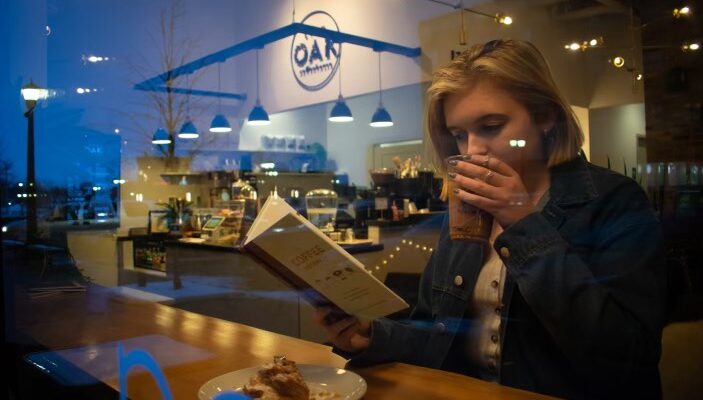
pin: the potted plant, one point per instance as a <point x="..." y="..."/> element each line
<point x="177" y="213"/>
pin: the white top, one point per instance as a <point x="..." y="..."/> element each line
<point x="485" y="306"/>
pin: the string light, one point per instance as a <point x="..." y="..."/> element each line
<point x="409" y="243"/>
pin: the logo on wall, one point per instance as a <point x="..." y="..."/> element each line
<point x="315" y="59"/>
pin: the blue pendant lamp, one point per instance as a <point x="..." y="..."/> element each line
<point x="219" y="123"/>
<point x="381" y="118"/>
<point x="340" y="112"/>
<point x="258" y="116"/>
<point x="188" y="129"/>
<point x="160" y="137"/>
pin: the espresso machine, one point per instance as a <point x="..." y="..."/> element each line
<point x="382" y="194"/>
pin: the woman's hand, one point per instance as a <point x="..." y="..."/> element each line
<point x="349" y="334"/>
<point x="492" y="185"/>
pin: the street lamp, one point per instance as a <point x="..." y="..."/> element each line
<point x="31" y="94"/>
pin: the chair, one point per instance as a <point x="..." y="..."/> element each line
<point x="681" y="364"/>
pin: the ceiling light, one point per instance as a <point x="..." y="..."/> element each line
<point x="504" y="19"/>
<point x="219" y="124"/>
<point x="381" y="118"/>
<point x="617" y="62"/>
<point x="682" y="12"/>
<point x="188" y="130"/>
<point x="341" y="111"/>
<point x="258" y="115"/>
<point x="690" y="46"/>
<point x="574" y="46"/>
<point x="160" y="137"/>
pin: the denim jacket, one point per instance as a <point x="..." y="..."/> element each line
<point x="583" y="303"/>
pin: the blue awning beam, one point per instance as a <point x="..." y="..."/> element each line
<point x="155" y="84"/>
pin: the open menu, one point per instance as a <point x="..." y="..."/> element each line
<point x="298" y="252"/>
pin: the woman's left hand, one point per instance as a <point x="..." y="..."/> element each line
<point x="492" y="185"/>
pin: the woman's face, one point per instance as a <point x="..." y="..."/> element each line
<point x="486" y="120"/>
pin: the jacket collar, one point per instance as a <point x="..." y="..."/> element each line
<point x="572" y="183"/>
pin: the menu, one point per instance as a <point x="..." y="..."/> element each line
<point x="298" y="252"/>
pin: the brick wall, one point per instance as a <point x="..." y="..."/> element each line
<point x="673" y="82"/>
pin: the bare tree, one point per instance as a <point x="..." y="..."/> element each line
<point x="168" y="109"/>
<point x="5" y="174"/>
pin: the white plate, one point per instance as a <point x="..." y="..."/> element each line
<point x="348" y="385"/>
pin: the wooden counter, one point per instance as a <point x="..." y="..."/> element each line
<point x="98" y="316"/>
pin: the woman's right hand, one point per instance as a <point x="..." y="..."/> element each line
<point x="348" y="334"/>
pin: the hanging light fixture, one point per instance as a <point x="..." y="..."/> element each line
<point x="684" y="11"/>
<point x="219" y="123"/>
<point x="188" y="129"/>
<point x="341" y="112"/>
<point x="617" y="62"/>
<point x="160" y="137"/>
<point x="258" y="116"/>
<point x="381" y="118"/>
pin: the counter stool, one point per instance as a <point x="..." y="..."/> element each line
<point x="49" y="256"/>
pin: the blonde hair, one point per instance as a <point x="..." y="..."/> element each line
<point x="519" y="68"/>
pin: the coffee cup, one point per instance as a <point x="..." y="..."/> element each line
<point x="466" y="222"/>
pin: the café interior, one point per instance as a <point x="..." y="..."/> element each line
<point x="140" y="140"/>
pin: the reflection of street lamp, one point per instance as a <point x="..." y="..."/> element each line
<point x="31" y="94"/>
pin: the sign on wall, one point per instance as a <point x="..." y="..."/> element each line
<point x="315" y="60"/>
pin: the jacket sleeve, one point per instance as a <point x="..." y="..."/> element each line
<point x="403" y="341"/>
<point x="603" y="305"/>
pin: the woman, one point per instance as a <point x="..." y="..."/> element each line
<point x="568" y="298"/>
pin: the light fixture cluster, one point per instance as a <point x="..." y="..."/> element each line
<point x="619" y="63"/>
<point x="188" y="130"/>
<point x="408" y="244"/>
<point x="695" y="46"/>
<point x="381" y="118"/>
<point x="684" y="11"/>
<point x="585" y="44"/>
<point x="500" y="18"/>
<point x="340" y="111"/>
<point x="503" y="19"/>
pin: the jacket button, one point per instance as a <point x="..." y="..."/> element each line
<point x="458" y="280"/>
<point x="504" y="252"/>
<point x="494" y="284"/>
<point x="497" y="310"/>
<point x="494" y="338"/>
<point x="440" y="327"/>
